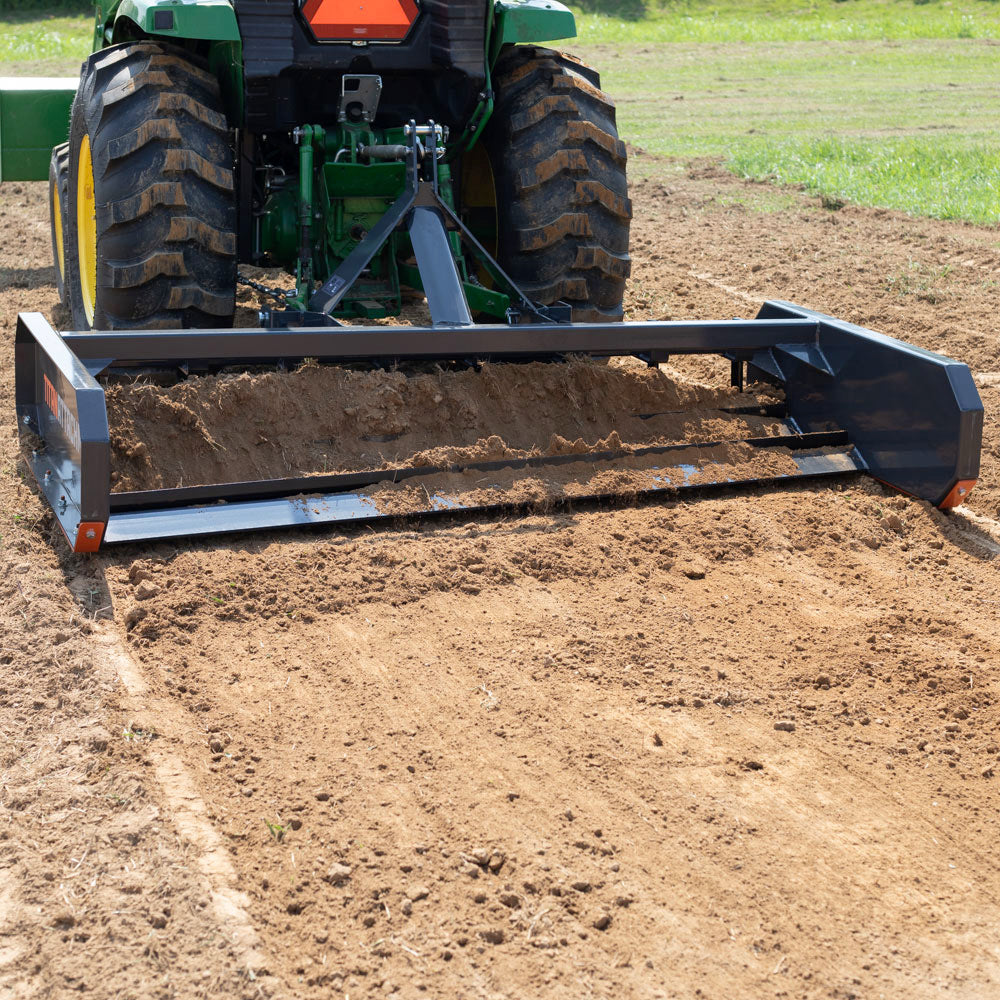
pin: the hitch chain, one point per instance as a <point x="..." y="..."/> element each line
<point x="275" y="293"/>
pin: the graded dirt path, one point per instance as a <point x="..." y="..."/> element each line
<point x="537" y="756"/>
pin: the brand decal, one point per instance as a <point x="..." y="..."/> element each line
<point x="63" y="414"/>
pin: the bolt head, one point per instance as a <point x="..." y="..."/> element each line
<point x="90" y="533"/>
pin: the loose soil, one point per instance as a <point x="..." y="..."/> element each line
<point x="744" y="746"/>
<point x="327" y="419"/>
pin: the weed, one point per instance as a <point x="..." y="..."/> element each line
<point x="919" y="280"/>
<point x="276" y="830"/>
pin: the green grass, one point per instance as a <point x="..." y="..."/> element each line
<point x="946" y="180"/>
<point x="908" y="125"/>
<point x="43" y="44"/>
<point x="644" y="21"/>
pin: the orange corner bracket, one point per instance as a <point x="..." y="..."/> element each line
<point x="88" y="536"/>
<point x="959" y="494"/>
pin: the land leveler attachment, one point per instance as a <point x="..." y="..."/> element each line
<point x="855" y="401"/>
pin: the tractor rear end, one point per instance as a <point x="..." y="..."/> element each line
<point x="409" y="151"/>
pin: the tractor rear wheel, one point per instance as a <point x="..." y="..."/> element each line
<point x="58" y="213"/>
<point x="563" y="211"/>
<point x="152" y="206"/>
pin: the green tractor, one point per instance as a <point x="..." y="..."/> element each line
<point x="299" y="134"/>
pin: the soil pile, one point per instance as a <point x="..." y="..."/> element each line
<point x="318" y="419"/>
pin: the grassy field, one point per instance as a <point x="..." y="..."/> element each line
<point x="641" y="21"/>
<point x="47" y="43"/>
<point x="906" y="125"/>
<point x="880" y="102"/>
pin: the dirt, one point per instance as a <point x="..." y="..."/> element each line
<point x="743" y="746"/>
<point x="626" y="476"/>
<point x="324" y="419"/>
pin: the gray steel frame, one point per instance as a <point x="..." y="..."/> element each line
<point x="913" y="419"/>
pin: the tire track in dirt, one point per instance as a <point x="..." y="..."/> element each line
<point x="186" y="806"/>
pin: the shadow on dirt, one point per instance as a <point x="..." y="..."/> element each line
<point x="976" y="540"/>
<point x="26" y="277"/>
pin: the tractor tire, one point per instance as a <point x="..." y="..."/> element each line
<point x="563" y="211"/>
<point x="58" y="214"/>
<point x="152" y="194"/>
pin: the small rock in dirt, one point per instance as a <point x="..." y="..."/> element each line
<point x="785" y="726"/>
<point x="582" y="885"/>
<point x="511" y="899"/>
<point x="216" y="746"/>
<point x="569" y="815"/>
<point x="470" y="869"/>
<point x="146" y="590"/>
<point x="295" y="824"/>
<point x="481" y="856"/>
<point x="493" y="935"/>
<point x="893" y="522"/>
<point x="321" y="937"/>
<point x="64" y="919"/>
<point x="951" y="727"/>
<point x="338" y="874"/>
<point x="496" y="861"/>
<point x="693" y="570"/>
<point x="134" y="615"/>
<point x="657" y="740"/>
<point x="406" y="908"/>
<point x="624" y="901"/>
<point x="322" y="796"/>
<point x="417" y="893"/>
<point x="602" y="921"/>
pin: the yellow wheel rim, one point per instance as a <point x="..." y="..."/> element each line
<point x="86" y="229"/>
<point x="479" y="198"/>
<point x="57" y="231"/>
